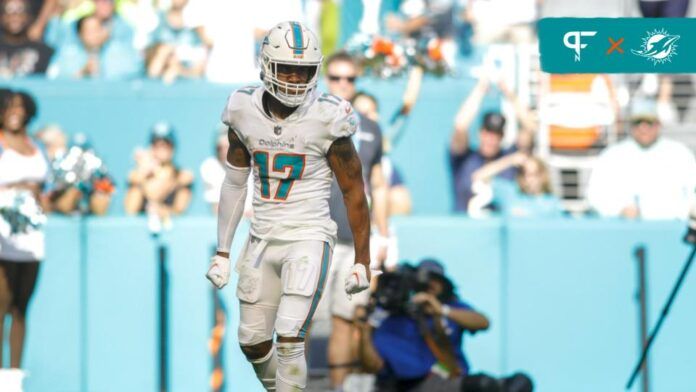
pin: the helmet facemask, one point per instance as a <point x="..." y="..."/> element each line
<point x="290" y="94"/>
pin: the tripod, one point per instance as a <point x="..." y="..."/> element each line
<point x="665" y="310"/>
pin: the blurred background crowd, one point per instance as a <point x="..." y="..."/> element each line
<point x="521" y="143"/>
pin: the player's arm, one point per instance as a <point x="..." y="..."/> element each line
<point x="230" y="207"/>
<point x="233" y="192"/>
<point x="345" y="163"/>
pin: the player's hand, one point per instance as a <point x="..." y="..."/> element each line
<point x="219" y="271"/>
<point x="358" y="279"/>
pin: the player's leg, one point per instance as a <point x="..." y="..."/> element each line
<point x="258" y="290"/>
<point x="304" y="274"/>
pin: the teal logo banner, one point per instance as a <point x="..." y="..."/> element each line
<point x="618" y="45"/>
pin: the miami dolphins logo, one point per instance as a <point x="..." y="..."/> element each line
<point x="659" y="46"/>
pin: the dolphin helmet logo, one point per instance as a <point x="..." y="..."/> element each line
<point x="659" y="47"/>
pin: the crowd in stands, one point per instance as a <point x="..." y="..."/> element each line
<point x="506" y="170"/>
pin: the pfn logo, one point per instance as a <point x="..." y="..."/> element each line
<point x="572" y="40"/>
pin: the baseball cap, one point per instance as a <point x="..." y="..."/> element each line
<point x="643" y="109"/>
<point x="432" y="266"/>
<point x="162" y="131"/>
<point x="494" y="122"/>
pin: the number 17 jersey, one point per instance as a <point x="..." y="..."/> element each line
<point x="292" y="177"/>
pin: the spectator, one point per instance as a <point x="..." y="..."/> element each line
<point x="54" y="141"/>
<point x="177" y="50"/>
<point x="41" y="11"/>
<point x="646" y="175"/>
<point x="212" y="170"/>
<point x="97" y="54"/>
<point x="366" y="105"/>
<point x="157" y="185"/>
<point x="663" y="8"/>
<point x="79" y="181"/>
<point x="213" y="173"/>
<point x="341" y="75"/>
<point x="529" y="196"/>
<point x="423" y="19"/>
<point x="503" y="21"/>
<point x="23" y="170"/>
<point x="464" y="160"/>
<point x="399" y="195"/>
<point x="230" y="60"/>
<point x="19" y="56"/>
<point x="413" y="340"/>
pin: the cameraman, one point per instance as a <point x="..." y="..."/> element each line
<point x="419" y="346"/>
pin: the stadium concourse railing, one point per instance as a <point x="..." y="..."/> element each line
<point x="560" y="295"/>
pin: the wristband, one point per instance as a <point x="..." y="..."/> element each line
<point x="446" y="310"/>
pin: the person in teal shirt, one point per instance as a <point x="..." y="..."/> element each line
<point x="96" y="55"/>
<point x="529" y="195"/>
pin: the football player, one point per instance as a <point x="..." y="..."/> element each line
<point x="295" y="139"/>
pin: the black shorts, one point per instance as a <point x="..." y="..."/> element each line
<point x="17" y="282"/>
<point x="664" y="9"/>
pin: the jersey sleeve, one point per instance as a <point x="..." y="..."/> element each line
<point x="344" y="124"/>
<point x="228" y="113"/>
<point x="232" y="114"/>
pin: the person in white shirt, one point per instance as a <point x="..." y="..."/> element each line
<point x="213" y="174"/>
<point x="23" y="170"/>
<point x="646" y="176"/>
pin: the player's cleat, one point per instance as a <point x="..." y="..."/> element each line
<point x="219" y="271"/>
<point x="357" y="279"/>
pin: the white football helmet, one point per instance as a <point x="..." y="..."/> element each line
<point x="289" y="43"/>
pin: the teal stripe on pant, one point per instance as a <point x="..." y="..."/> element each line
<point x="320" y="289"/>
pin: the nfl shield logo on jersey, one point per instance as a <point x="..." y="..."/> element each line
<point x="277" y="129"/>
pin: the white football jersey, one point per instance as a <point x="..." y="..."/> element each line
<point x="292" y="177"/>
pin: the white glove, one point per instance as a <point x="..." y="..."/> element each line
<point x="219" y="271"/>
<point x="357" y="279"/>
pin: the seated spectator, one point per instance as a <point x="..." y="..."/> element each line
<point x="157" y="185"/>
<point x="413" y="340"/>
<point x="42" y="11"/>
<point x="464" y="160"/>
<point x="529" y="196"/>
<point x="54" y="141"/>
<point x="177" y="50"/>
<point x="61" y="30"/>
<point x="79" y="181"/>
<point x="213" y="173"/>
<point x="503" y="21"/>
<point x="96" y="55"/>
<point x="646" y="176"/>
<point x="664" y="8"/>
<point x="230" y="60"/>
<point x="423" y="18"/>
<point x="19" y="56"/>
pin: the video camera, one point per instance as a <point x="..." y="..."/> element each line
<point x="395" y="289"/>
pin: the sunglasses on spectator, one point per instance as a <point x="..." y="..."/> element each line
<point x="349" y="79"/>
<point x="649" y="122"/>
